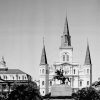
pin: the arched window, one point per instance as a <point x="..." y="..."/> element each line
<point x="67" y="57"/>
<point x="6" y="77"/>
<point x="17" y="76"/>
<point x="88" y="71"/>
<point x="80" y="83"/>
<point x="87" y="82"/>
<point x="47" y="72"/>
<point x="13" y="77"/>
<point x="3" y="76"/>
<point x="43" y="92"/>
<point x="23" y="77"/>
<point x="74" y="71"/>
<point x="50" y="83"/>
<point x="42" y="70"/>
<point x="63" y="57"/>
<point x="42" y="82"/>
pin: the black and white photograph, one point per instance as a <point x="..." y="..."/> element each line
<point x="49" y="49"/>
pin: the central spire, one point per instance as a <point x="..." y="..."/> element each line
<point x="66" y="28"/>
<point x="66" y="38"/>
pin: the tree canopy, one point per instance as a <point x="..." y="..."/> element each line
<point x="25" y="92"/>
<point x="88" y="93"/>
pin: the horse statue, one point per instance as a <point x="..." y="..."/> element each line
<point x="59" y="75"/>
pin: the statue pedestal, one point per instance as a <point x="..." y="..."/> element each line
<point x="61" y="90"/>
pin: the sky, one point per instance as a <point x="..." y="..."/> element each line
<point x="24" y="23"/>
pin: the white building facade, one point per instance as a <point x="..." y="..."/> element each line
<point x="77" y="76"/>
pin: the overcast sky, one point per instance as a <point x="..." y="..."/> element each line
<point x="24" y="23"/>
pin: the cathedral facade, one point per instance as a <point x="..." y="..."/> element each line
<point x="77" y="76"/>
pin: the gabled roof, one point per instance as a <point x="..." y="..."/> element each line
<point x="12" y="71"/>
<point x="87" y="57"/>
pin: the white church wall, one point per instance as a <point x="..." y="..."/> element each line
<point x="66" y="52"/>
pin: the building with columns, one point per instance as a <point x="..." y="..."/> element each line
<point x="77" y="76"/>
<point x="9" y="77"/>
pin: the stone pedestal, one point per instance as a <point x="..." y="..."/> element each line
<point x="61" y="90"/>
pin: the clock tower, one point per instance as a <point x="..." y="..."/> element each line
<point x="66" y="50"/>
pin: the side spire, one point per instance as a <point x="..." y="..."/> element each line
<point x="87" y="57"/>
<point x="43" y="56"/>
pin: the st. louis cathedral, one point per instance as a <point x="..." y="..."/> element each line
<point x="77" y="76"/>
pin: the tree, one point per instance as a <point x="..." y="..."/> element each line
<point x="3" y="97"/>
<point x="25" y="92"/>
<point x="88" y="93"/>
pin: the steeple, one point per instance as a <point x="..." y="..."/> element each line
<point x="66" y="28"/>
<point x="44" y="73"/>
<point x="43" y="56"/>
<point x="66" y="38"/>
<point x="87" y="57"/>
